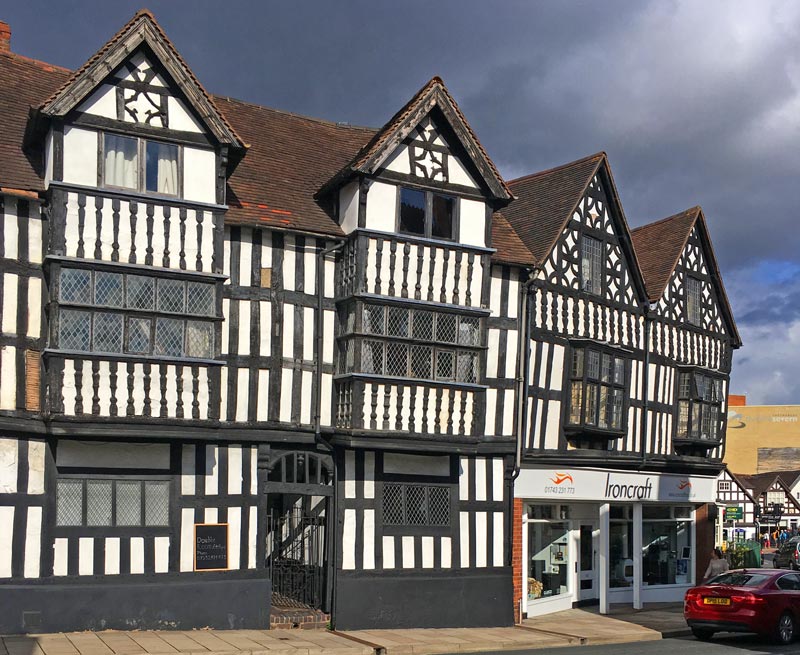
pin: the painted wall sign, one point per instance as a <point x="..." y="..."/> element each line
<point x="615" y="486"/>
<point x="211" y="547"/>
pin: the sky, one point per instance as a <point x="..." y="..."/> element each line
<point x="695" y="102"/>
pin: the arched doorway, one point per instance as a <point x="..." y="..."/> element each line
<point x="299" y="490"/>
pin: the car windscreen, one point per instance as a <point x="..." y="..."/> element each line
<point x="739" y="579"/>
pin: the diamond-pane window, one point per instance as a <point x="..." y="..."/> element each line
<point x="373" y="319"/>
<point x="393" y="503"/>
<point x="69" y="502"/>
<point x="169" y="337"/>
<point x="171" y="296"/>
<point x="469" y="333"/>
<point x="138" y="336"/>
<point x="445" y="364"/>
<point x="423" y="325"/>
<point x="467" y="367"/>
<point x="141" y="292"/>
<point x="129" y="503"/>
<point x="75" y="286"/>
<point x="416" y="509"/>
<point x="74" y="330"/>
<point x="98" y="502"/>
<point x="156" y="502"/>
<point x="372" y="357"/>
<point x="397" y="359"/>
<point x="421" y="362"/>
<point x="199" y="339"/>
<point x="108" y="289"/>
<point x="200" y="298"/>
<point x="439" y="505"/>
<point x="397" y="323"/>
<point x="107" y="332"/>
<point x="446" y="328"/>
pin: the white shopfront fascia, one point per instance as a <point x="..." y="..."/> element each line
<point x="563" y="485"/>
<point x="603" y="487"/>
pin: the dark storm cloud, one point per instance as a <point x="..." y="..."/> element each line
<point x="695" y="103"/>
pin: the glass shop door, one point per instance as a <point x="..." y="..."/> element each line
<point x="588" y="537"/>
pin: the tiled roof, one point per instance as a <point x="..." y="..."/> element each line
<point x="659" y="246"/>
<point x="545" y="202"/>
<point x="510" y="248"/>
<point x="24" y="83"/>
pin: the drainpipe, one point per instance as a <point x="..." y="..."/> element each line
<point x="332" y="523"/>
<point x="523" y="361"/>
<point x="648" y="319"/>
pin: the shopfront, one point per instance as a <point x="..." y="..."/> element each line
<point x="605" y="536"/>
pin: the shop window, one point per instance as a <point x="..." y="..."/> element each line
<point x="119" y="502"/>
<point x="699" y="406"/>
<point x="107" y="312"/>
<point x="416" y="505"/>
<point x="548" y="558"/>
<point x="666" y="545"/>
<point x="428" y="214"/>
<point x="620" y="547"/>
<point x="140" y="165"/>
<point x="597" y="395"/>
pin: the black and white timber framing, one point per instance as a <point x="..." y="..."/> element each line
<point x="351" y="382"/>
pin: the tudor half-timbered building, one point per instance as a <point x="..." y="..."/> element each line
<point x="247" y="354"/>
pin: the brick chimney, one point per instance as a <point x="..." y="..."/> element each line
<point x="5" y="37"/>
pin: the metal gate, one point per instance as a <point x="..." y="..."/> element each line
<point x="296" y="555"/>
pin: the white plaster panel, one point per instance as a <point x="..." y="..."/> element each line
<point x="103" y="102"/>
<point x="235" y="477"/>
<point x="36" y="465"/>
<point x="187" y="539"/>
<point x="112" y="555"/>
<point x="33" y="543"/>
<point x="458" y="174"/>
<point x="60" y="549"/>
<point x="381" y="207"/>
<point x="86" y="556"/>
<point x="348" y="207"/>
<point x="162" y="554"/>
<point x="80" y="156"/>
<point x="472" y="222"/>
<point x="234" y="536"/>
<point x="137" y="554"/>
<point x="349" y="540"/>
<point x="388" y="552"/>
<point x="10" y="288"/>
<point x="416" y="464"/>
<point x="369" y="539"/>
<point x="34" y="307"/>
<point x="9" y="459"/>
<point x="101" y="454"/>
<point x="199" y="173"/>
<point x="180" y="118"/>
<point x="398" y="161"/>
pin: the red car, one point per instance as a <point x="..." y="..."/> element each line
<point x="766" y="601"/>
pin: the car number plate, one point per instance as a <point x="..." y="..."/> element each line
<point x="716" y="601"/>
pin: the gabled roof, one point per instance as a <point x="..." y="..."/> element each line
<point x="737" y="479"/>
<point x="546" y="201"/>
<point x="141" y="29"/>
<point x="659" y="246"/>
<point x="386" y="140"/>
<point x="510" y="249"/>
<point x="761" y="482"/>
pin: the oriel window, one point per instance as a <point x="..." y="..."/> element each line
<point x="699" y="406"/>
<point x="597" y="389"/>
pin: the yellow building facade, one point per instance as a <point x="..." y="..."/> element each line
<point x="762" y="438"/>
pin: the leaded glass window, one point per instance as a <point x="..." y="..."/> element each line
<point x="700" y="400"/>
<point x="416" y="505"/>
<point x="112" y="502"/>
<point x="694" y="295"/>
<point x="592" y="265"/>
<point x="597" y="389"/>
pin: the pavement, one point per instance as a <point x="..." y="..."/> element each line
<point x="575" y="627"/>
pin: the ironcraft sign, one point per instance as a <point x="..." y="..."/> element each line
<point x="211" y="547"/>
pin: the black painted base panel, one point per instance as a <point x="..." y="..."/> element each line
<point x="168" y="603"/>
<point x="452" y="599"/>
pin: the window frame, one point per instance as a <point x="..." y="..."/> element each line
<point x="693" y="401"/>
<point x="406" y="527"/>
<point x="141" y="164"/>
<point x="585" y="379"/>
<point x="694" y="314"/>
<point x="129" y="313"/>
<point x="726" y="488"/>
<point x="601" y="264"/>
<point x="107" y="475"/>
<point x="428" y="227"/>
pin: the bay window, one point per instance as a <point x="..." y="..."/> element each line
<point x="597" y="395"/>
<point x="699" y="406"/>
<point x="140" y="165"/>
<point x="123" y="313"/>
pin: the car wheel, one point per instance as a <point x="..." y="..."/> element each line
<point x="702" y="634"/>
<point x="784" y="633"/>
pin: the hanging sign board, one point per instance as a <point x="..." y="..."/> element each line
<point x="734" y="514"/>
<point x="211" y="547"/>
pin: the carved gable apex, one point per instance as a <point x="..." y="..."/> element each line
<point x="139" y="77"/>
<point x="430" y="152"/>
<point x="428" y="126"/>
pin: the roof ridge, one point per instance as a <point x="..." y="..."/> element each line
<point x="286" y="112"/>
<point x="667" y="218"/>
<point x="554" y="169"/>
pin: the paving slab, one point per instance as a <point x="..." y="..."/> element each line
<point x="592" y="628"/>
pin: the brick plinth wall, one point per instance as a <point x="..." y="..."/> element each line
<point x="516" y="555"/>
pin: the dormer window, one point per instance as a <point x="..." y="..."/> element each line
<point x="427" y="214"/>
<point x="592" y="265"/>
<point x="140" y="165"/>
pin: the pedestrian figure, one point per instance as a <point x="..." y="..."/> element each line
<point x="717" y="565"/>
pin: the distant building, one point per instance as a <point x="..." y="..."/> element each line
<point x="762" y="438"/>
